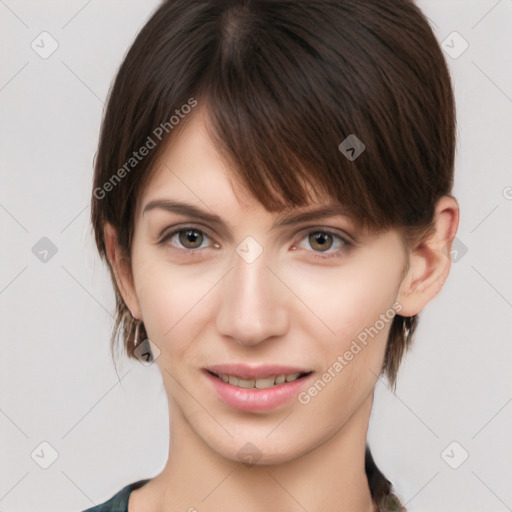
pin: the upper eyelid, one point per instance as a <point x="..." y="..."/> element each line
<point x="343" y="237"/>
<point x="176" y="229"/>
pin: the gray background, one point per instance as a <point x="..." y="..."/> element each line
<point x="57" y="381"/>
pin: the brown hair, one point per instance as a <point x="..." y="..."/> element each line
<point x="283" y="83"/>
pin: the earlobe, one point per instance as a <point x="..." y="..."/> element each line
<point x="430" y="262"/>
<point x="122" y="270"/>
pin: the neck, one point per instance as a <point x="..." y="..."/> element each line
<point x="331" y="476"/>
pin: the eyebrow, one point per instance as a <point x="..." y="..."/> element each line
<point x="284" y="219"/>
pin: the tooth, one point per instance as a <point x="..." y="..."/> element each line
<point x="263" y="383"/>
<point x="280" y="379"/>
<point x="246" y="383"/>
<point x="267" y="382"/>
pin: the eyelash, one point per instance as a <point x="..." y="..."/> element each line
<point x="318" y="255"/>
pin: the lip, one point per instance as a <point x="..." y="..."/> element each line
<point x="257" y="399"/>
<point x="245" y="371"/>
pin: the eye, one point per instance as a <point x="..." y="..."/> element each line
<point x="322" y="240"/>
<point x="186" y="238"/>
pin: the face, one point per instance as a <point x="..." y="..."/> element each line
<point x="235" y="285"/>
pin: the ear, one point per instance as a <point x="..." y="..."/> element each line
<point x="430" y="262"/>
<point x="122" y="270"/>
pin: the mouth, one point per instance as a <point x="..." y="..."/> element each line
<point x="267" y="382"/>
<point x="257" y="388"/>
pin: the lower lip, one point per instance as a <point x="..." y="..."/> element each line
<point x="257" y="399"/>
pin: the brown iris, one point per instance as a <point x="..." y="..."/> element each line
<point x="321" y="239"/>
<point x="190" y="236"/>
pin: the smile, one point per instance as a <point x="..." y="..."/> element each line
<point x="259" y="393"/>
<point x="261" y="383"/>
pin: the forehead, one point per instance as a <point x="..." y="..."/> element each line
<point x="190" y="166"/>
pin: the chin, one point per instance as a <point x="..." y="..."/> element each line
<point x="259" y="450"/>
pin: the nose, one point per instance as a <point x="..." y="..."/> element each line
<point x="253" y="302"/>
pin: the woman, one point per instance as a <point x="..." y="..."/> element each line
<point x="272" y="196"/>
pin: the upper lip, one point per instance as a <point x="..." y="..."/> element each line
<point x="245" y="371"/>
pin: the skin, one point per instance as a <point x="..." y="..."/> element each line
<point x="285" y="307"/>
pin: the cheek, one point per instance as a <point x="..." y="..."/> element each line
<point x="348" y="331"/>
<point x="171" y="299"/>
<point x="339" y="303"/>
<point x="347" y="337"/>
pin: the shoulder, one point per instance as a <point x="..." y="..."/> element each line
<point x="118" y="502"/>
